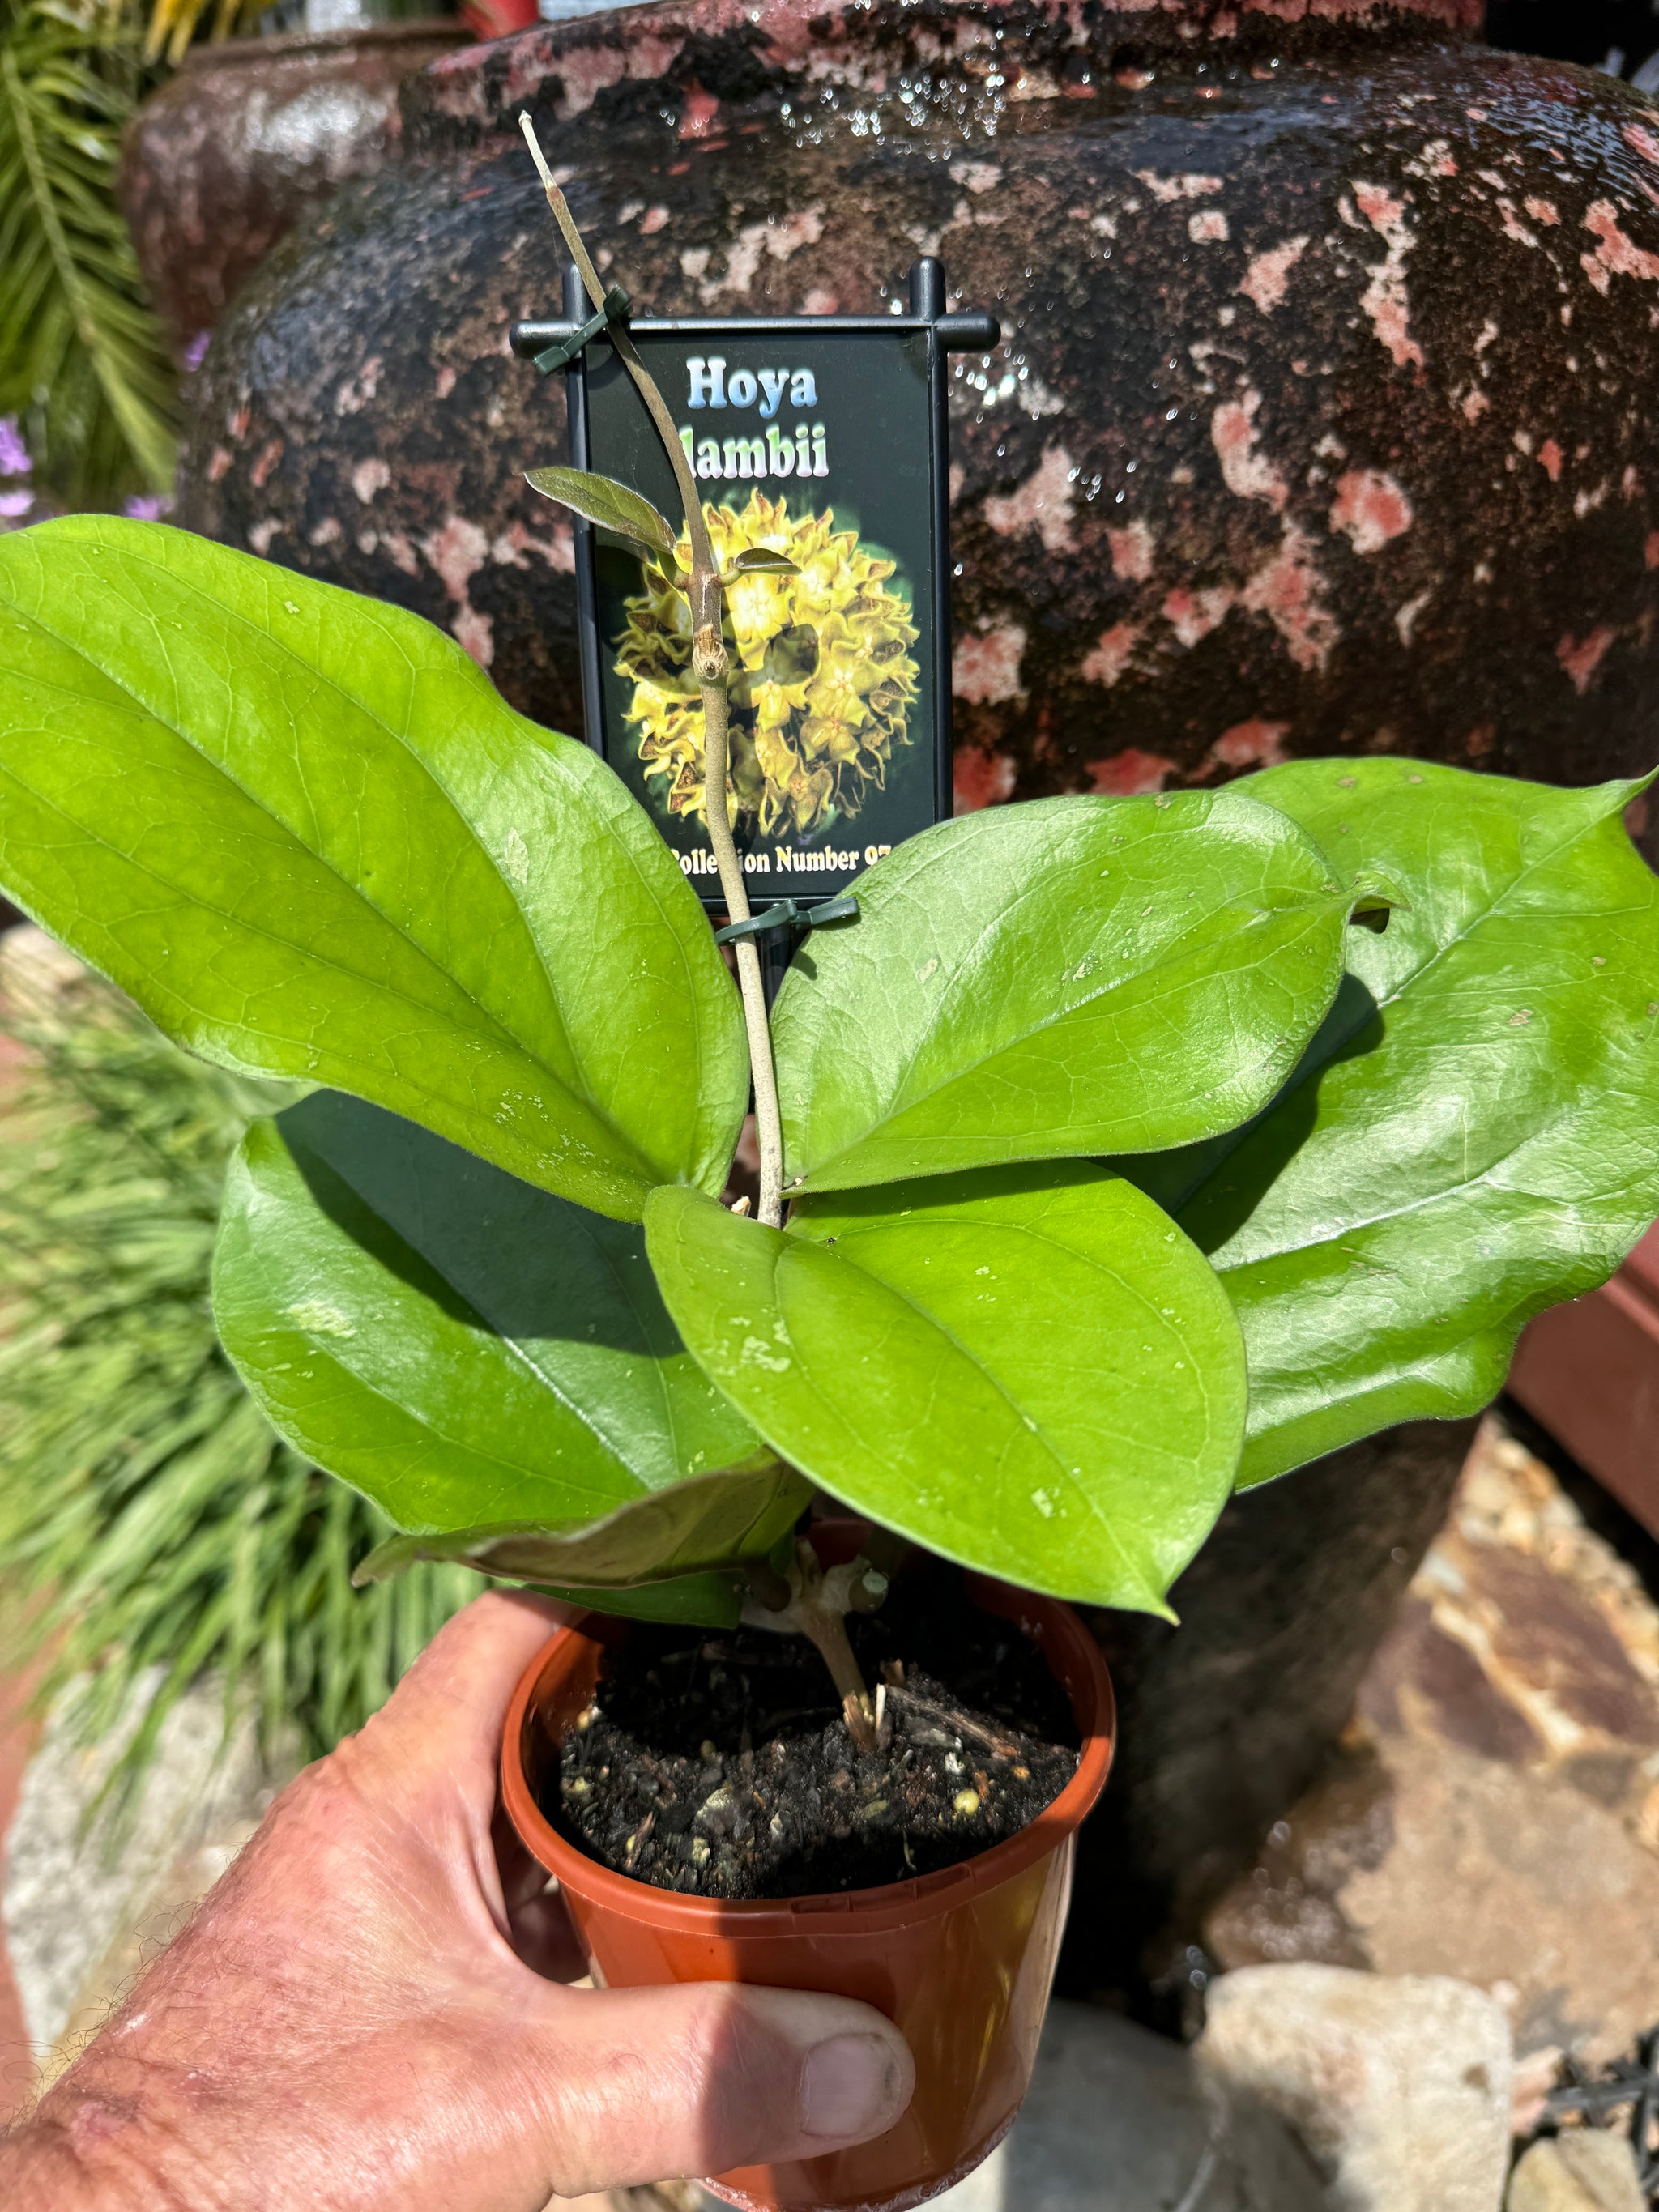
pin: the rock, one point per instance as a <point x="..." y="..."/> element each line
<point x="1587" y="2171"/>
<point x="1524" y="1886"/>
<point x="1121" y="2120"/>
<point x="84" y="1906"/>
<point x="1227" y="1719"/>
<point x="1499" y="1821"/>
<point x="36" y="971"/>
<point x="1398" y="2088"/>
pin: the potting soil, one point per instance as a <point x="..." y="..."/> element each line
<point x="718" y="1763"/>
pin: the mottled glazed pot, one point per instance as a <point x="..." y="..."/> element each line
<point x="1322" y="420"/>
<point x="221" y="162"/>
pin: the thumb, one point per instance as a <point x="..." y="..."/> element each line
<point x="636" y="2085"/>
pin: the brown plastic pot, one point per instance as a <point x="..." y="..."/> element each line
<point x="960" y="1961"/>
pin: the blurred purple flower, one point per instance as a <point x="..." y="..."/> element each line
<point x="14" y="503"/>
<point x="13" y="453"/>
<point x="150" y="508"/>
<point x="195" y="350"/>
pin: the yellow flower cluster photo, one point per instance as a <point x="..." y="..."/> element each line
<point x="822" y="679"/>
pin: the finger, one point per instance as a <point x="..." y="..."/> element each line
<point x="638" y="2086"/>
<point x="453" y="1700"/>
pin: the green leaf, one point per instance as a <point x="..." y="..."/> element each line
<point x="1029" y="1370"/>
<point x="1471" y="1136"/>
<point x="707" y="1521"/>
<point x="305" y="833"/>
<point x="763" y="561"/>
<point x="470" y="1351"/>
<point x="603" y="500"/>
<point x="1070" y="977"/>
<point x="697" y="1600"/>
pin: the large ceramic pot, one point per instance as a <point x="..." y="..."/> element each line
<point x="220" y="163"/>
<point x="1320" y="422"/>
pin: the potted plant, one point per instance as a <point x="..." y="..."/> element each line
<point x="1113" y="1152"/>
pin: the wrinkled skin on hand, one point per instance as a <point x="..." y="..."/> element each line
<point x="368" y="2012"/>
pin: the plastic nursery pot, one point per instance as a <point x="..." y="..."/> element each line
<point x="961" y="1960"/>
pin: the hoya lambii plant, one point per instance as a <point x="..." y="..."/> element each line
<point x="1111" y="1154"/>
<point x="1121" y="1166"/>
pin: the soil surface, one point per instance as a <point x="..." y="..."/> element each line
<point x="718" y="1763"/>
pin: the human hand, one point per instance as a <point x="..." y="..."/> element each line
<point x="359" y="2015"/>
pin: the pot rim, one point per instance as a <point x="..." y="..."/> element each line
<point x="287" y="45"/>
<point x="789" y="33"/>
<point x="817" y="1916"/>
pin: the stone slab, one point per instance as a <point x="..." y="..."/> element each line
<point x="86" y="1902"/>
<point x="1587" y="2171"/>
<point x="1398" y="2086"/>
<point x="1494" y="1813"/>
<point x="17" y="1735"/>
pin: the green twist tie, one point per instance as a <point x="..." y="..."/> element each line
<point x="613" y="309"/>
<point x="787" y="913"/>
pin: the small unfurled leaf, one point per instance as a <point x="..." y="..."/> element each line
<point x="1470" y="1137"/>
<point x="306" y="833"/>
<point x="603" y="500"/>
<point x="1030" y="1370"/>
<point x="1072" y="977"/>
<point x="707" y="1523"/>
<point x="763" y="561"/>
<point x="465" y="1349"/>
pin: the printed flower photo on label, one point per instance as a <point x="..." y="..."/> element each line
<point x="824" y="678"/>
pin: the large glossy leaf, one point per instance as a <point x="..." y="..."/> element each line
<point x="1027" y="1370"/>
<point x="304" y="832"/>
<point x="471" y="1352"/>
<point x="705" y="1522"/>
<point x="1075" y="975"/>
<point x="1474" y="1132"/>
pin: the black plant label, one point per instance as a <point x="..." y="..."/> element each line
<point x="820" y="439"/>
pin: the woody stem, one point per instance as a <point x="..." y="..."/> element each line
<point x="815" y="1604"/>
<point x="710" y="663"/>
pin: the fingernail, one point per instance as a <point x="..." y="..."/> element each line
<point x="850" y="2088"/>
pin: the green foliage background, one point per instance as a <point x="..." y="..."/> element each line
<point x="82" y="364"/>
<point x="150" y="1517"/>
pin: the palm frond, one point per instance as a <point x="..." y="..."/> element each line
<point x="174" y="23"/>
<point x="83" y="364"/>
<point x="149" y="1517"/>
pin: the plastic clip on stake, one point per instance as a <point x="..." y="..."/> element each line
<point x="789" y="913"/>
<point x="613" y="309"/>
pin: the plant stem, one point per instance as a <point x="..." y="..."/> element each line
<point x="710" y="663"/>
<point x="959" y="1724"/>
<point x="815" y="1604"/>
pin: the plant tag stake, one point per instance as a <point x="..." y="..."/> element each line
<point x="823" y="438"/>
